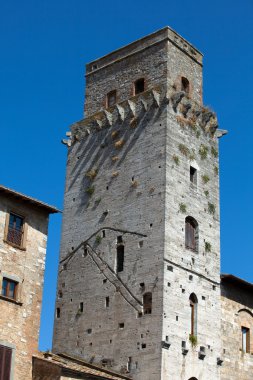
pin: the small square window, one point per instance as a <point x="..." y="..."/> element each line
<point x="111" y="98"/>
<point x="9" y="288"/>
<point x="193" y="175"/>
<point x="15" y="230"/>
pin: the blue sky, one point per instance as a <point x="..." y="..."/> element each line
<point x="44" y="46"/>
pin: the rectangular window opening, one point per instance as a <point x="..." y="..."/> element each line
<point x="107" y="301"/>
<point x="193" y="175"/>
<point x="81" y="307"/>
<point x="120" y="258"/>
<point x="245" y="339"/>
<point x="5" y="362"/>
<point x="15" y="230"/>
<point x="58" y="312"/>
<point x="111" y="98"/>
<point x="9" y="288"/>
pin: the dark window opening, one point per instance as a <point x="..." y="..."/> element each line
<point x="143" y="345"/>
<point x="193" y="305"/>
<point x="139" y="86"/>
<point x="191" y="233"/>
<point x="185" y="85"/>
<point x="246" y="339"/>
<point x="111" y="98"/>
<point x="121" y="325"/>
<point x="147" y="303"/>
<point x="193" y="175"/>
<point x="58" y="312"/>
<point x="15" y="229"/>
<point x="120" y="258"/>
<point x="119" y="240"/>
<point x="9" y="288"/>
<point x="103" y="233"/>
<point x="81" y="307"/>
<point x="107" y="301"/>
<point x="5" y="362"/>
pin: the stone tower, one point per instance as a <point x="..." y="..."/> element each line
<point x="138" y="283"/>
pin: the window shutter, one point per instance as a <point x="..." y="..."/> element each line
<point x="5" y="362"/>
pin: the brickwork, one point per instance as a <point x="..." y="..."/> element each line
<point x="20" y="317"/>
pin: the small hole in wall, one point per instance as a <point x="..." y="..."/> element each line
<point x="74" y="199"/>
<point x="167" y="338"/>
<point x="64" y="267"/>
<point x="143" y="345"/>
<point x="71" y="300"/>
<point x="133" y="178"/>
<point x="121" y="326"/>
<point x="81" y="307"/>
<point x="159" y="166"/>
<point x="58" y="312"/>
<point x="168" y="283"/>
<point x="224" y="351"/>
<point x="89" y="331"/>
<point x="72" y="248"/>
<point x="193" y="260"/>
<point x="90" y="344"/>
<point x="183" y="290"/>
<point x="151" y="225"/>
<point x="104" y="280"/>
<point x="214" y="287"/>
<point x="142" y="285"/>
<point x="140" y="244"/>
<point x="170" y="268"/>
<point x="107" y="187"/>
<point x="141" y="335"/>
<point x="203" y="298"/>
<point x="208" y="347"/>
<point x="103" y="233"/>
<point x="177" y="318"/>
<point x="110" y="341"/>
<point x="190" y="277"/>
<point x="160" y="125"/>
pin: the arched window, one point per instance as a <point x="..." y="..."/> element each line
<point x="194" y="306"/>
<point x="139" y="86"/>
<point x="246" y="324"/>
<point x="147" y="303"/>
<point x="185" y="85"/>
<point x="191" y="233"/>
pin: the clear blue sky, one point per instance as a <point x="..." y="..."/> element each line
<point x="44" y="46"/>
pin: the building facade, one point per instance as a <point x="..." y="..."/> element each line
<point x="139" y="273"/>
<point x="23" y="239"/>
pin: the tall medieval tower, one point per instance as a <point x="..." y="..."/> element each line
<point x="138" y="283"/>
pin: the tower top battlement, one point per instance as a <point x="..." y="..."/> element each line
<point x="164" y="34"/>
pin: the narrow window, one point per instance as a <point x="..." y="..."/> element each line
<point x="15" y="229"/>
<point x="5" y="362"/>
<point x="58" y="312"/>
<point x="9" y="288"/>
<point x="147" y="303"/>
<point x="185" y="85"/>
<point x="120" y="258"/>
<point x="193" y="175"/>
<point x="81" y="307"/>
<point x="139" y="86"/>
<point x="191" y="233"/>
<point x="246" y="339"/>
<point x="193" y="307"/>
<point x="111" y="98"/>
<point x="107" y="301"/>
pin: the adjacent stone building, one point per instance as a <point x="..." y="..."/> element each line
<point x="139" y="287"/>
<point x="23" y="239"/>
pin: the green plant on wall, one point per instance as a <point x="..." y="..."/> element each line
<point x="216" y="170"/>
<point x="211" y="208"/>
<point x="90" y="190"/>
<point x="193" y="340"/>
<point x="184" y="150"/>
<point x="206" y="192"/>
<point x="182" y="208"/>
<point x="203" y="150"/>
<point x="205" y="178"/>
<point x="214" y="152"/>
<point x="208" y="246"/>
<point x="176" y="159"/>
<point x="98" y="239"/>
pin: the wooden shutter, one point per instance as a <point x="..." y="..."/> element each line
<point x="5" y="362"/>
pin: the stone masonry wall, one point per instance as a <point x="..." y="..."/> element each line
<point x="237" y="311"/>
<point x="19" y="321"/>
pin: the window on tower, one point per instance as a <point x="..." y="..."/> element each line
<point x="245" y="339"/>
<point x="111" y="98"/>
<point x="5" y="362"/>
<point x="191" y="234"/>
<point x="147" y="303"/>
<point x="15" y="230"/>
<point x="139" y="86"/>
<point x="193" y="308"/>
<point x="185" y="85"/>
<point x="120" y="254"/>
<point x="193" y="175"/>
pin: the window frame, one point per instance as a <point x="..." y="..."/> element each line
<point x="10" y="352"/>
<point x="15" y="292"/>
<point x="245" y="344"/>
<point x="22" y="245"/>
<point x="191" y="234"/>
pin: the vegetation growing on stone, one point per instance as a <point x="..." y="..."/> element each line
<point x="182" y="208"/>
<point x="211" y="208"/>
<point x="184" y="150"/>
<point x="176" y="159"/>
<point x="205" y="178"/>
<point x="193" y="339"/>
<point x="208" y="246"/>
<point x="90" y="190"/>
<point x="214" y="152"/>
<point x="119" y="144"/>
<point x="203" y="150"/>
